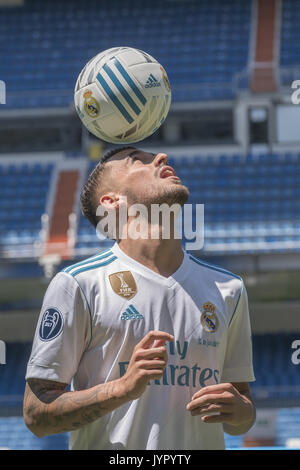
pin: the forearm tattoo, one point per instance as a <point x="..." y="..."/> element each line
<point x="50" y="409"/>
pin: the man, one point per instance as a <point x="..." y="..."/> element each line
<point x="156" y="343"/>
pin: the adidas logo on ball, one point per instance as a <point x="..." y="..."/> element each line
<point x="151" y="82"/>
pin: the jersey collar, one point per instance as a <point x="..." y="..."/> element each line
<point x="177" y="277"/>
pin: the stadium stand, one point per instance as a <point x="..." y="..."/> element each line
<point x="274" y="371"/>
<point x="49" y="55"/>
<point x="271" y="362"/>
<point x="252" y="200"/>
<point x="290" y="47"/>
<point x="288" y="425"/>
<point x="251" y="203"/>
<point x="12" y="376"/>
<point x="23" y="194"/>
<point x="15" y="435"/>
<point x="273" y="379"/>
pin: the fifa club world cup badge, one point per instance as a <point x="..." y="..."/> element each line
<point x="123" y="284"/>
<point x="165" y="79"/>
<point x="91" y="105"/>
<point x="209" y="319"/>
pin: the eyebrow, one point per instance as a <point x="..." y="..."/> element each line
<point x="132" y="153"/>
<point x="138" y="151"/>
<point x="135" y="152"/>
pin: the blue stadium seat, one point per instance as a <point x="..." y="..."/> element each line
<point x="23" y="189"/>
<point x="270" y="356"/>
<point x="256" y="202"/>
<point x="206" y="47"/>
<point x="14" y="435"/>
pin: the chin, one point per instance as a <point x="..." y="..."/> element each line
<point x="174" y="194"/>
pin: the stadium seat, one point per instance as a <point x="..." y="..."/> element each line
<point x="24" y="190"/>
<point x="273" y="380"/>
<point x="202" y="52"/>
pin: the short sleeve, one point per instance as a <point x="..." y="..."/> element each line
<point x="63" y="331"/>
<point x="238" y="366"/>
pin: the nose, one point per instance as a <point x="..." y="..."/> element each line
<point x="160" y="159"/>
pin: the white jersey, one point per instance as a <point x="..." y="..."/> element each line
<point x="96" y="311"/>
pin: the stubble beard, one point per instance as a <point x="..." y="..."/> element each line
<point x="174" y="196"/>
<point x="171" y="194"/>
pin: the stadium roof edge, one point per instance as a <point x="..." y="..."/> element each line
<point x="36" y="112"/>
<point x="201" y="105"/>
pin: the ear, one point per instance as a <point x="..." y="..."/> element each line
<point x="109" y="200"/>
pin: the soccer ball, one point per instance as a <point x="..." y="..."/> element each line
<point x="122" y="95"/>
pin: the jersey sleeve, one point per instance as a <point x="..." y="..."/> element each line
<point x="63" y="331"/>
<point x="238" y="366"/>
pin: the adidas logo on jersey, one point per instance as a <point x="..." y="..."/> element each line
<point x="131" y="313"/>
<point x="151" y="82"/>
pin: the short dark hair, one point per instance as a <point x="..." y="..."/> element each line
<point x="88" y="197"/>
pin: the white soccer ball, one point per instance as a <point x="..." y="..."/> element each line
<point x="122" y="95"/>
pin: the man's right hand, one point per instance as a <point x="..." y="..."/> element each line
<point x="146" y="363"/>
<point x="50" y="409"/>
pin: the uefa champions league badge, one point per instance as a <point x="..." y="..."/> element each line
<point x="123" y="284"/>
<point x="91" y="105"/>
<point x="51" y="325"/>
<point x="209" y="319"/>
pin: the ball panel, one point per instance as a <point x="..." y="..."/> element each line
<point x="150" y="79"/>
<point x="130" y="57"/>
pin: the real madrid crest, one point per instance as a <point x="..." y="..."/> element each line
<point x="209" y="319"/>
<point x="123" y="284"/>
<point x="91" y="105"/>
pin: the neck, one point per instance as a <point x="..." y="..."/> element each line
<point x="162" y="256"/>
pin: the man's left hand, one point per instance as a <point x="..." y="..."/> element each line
<point x="228" y="405"/>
